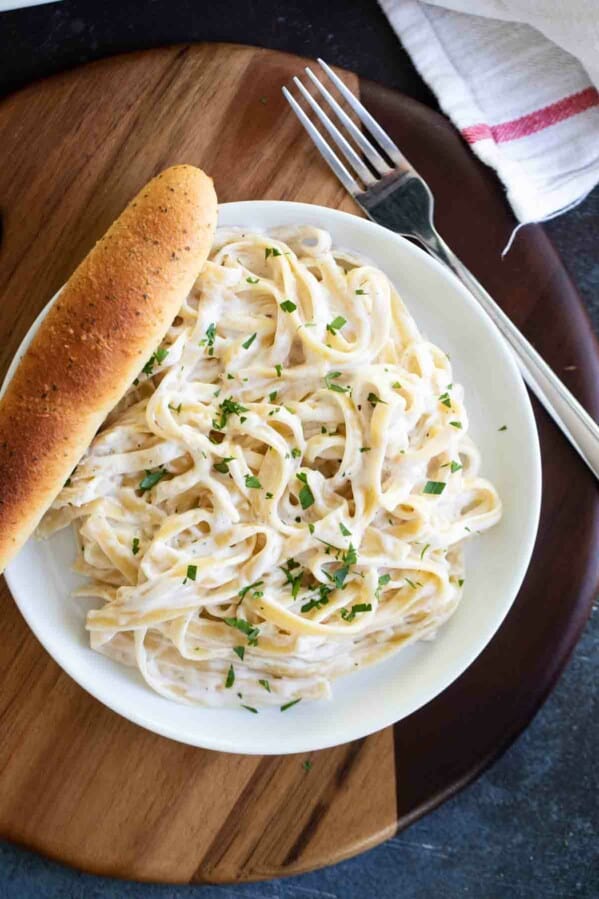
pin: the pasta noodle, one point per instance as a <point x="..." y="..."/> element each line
<point x="283" y="495"/>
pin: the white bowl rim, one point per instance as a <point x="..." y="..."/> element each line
<point x="241" y="209"/>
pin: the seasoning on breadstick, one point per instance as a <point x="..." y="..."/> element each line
<point x="109" y="318"/>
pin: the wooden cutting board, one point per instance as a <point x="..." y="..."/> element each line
<point x="82" y="785"/>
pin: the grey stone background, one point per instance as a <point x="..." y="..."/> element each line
<point x="527" y="829"/>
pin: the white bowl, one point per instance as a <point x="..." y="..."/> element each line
<point x="41" y="582"/>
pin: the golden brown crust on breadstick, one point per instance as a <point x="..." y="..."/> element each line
<point x="109" y="318"/>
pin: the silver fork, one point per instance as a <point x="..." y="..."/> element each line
<point x="396" y="197"/>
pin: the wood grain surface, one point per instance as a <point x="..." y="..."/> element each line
<point x="81" y="784"/>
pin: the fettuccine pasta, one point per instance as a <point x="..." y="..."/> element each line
<point x="283" y="495"/>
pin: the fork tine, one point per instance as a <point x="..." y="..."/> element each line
<point x="371" y="153"/>
<point x="330" y="157"/>
<point x="373" y="126"/>
<point x="348" y="151"/>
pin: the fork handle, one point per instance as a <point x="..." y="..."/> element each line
<point x="564" y="408"/>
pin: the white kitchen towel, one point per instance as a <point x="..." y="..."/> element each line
<point x="522" y="95"/>
<point x="5" y="5"/>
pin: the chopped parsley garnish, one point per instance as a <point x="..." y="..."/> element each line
<point x="373" y="399"/>
<point x="350" y="557"/>
<point x="434" y="487"/>
<point x="223" y="465"/>
<point x="396" y="385"/>
<point x="445" y="399"/>
<point x="410" y="583"/>
<point x="502" y="428"/>
<point x="311" y="528"/>
<point x="247" y="344"/>
<point x="317" y="601"/>
<point x="278" y="369"/>
<point x="192" y="571"/>
<point x="294" y="579"/>
<point x="269" y="495"/>
<point x="344" y="530"/>
<point x="313" y="604"/>
<point x="306" y="497"/>
<point x="239" y="651"/>
<point x="383" y="581"/>
<point x="295" y="452"/>
<point x="460" y="581"/>
<point x="272" y="396"/>
<point x="307" y="765"/>
<point x="337" y="388"/>
<point x="230" y="677"/>
<point x="245" y="590"/>
<point x="348" y="615"/>
<point x="289" y="704"/>
<point x="176" y="409"/>
<point x="252" y="481"/>
<point x="271" y="251"/>
<point x="249" y="708"/>
<point x="135" y="546"/>
<point x="338" y="577"/>
<point x="336" y="324"/>
<point x="424" y="550"/>
<point x="264" y="683"/>
<point x="246" y="628"/>
<point x="455" y="466"/>
<point x="288" y="306"/>
<point x="252" y="280"/>
<point x="329" y="547"/>
<point x="455" y="424"/>
<point x="365" y="449"/>
<point x="227" y="407"/>
<point x="361" y="293"/>
<point x="151" y="479"/>
<point x="156" y="358"/>
<point x="208" y="339"/>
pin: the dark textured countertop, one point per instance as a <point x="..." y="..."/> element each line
<point x="527" y="829"/>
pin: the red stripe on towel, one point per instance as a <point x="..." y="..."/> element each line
<point x="534" y="121"/>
